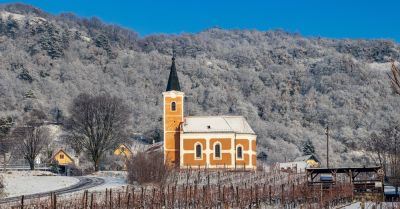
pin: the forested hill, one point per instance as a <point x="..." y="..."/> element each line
<point x="289" y="87"/>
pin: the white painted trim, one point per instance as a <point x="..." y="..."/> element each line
<point x="195" y="151"/>
<point x="220" y="150"/>
<point x="237" y="157"/>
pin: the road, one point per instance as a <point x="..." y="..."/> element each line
<point x="83" y="184"/>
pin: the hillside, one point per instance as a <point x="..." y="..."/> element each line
<point x="289" y="87"/>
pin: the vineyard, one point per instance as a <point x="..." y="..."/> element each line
<point x="205" y="189"/>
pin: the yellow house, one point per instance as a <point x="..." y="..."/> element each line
<point x="123" y="150"/>
<point x="204" y="141"/>
<point x="311" y="160"/>
<point x="62" y="158"/>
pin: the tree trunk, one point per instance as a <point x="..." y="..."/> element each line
<point x="32" y="165"/>
<point x="96" y="163"/>
<point x="5" y="162"/>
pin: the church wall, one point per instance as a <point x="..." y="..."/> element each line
<point x="171" y="138"/>
<point x="226" y="143"/>
<point x="253" y="145"/>
<point x="248" y="142"/>
<point x="189" y="144"/>
<point x="189" y="160"/>
<point x="244" y="143"/>
<point x="228" y="151"/>
<point x="244" y="162"/>
<point x="224" y="161"/>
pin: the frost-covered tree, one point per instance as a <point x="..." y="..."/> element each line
<point x="7" y="143"/>
<point x="286" y="85"/>
<point x="32" y="137"/>
<point x="308" y="148"/>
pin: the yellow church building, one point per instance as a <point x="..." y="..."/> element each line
<point x="204" y="141"/>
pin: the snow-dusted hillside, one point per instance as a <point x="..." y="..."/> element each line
<point x="288" y="87"/>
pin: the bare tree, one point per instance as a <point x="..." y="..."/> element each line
<point x="385" y="147"/>
<point x="97" y="124"/>
<point x="33" y="140"/>
<point x="6" y="141"/>
<point x="395" y="78"/>
<point x="32" y="137"/>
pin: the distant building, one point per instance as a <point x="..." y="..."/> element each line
<point x="62" y="158"/>
<point x="311" y="160"/>
<point x="300" y="164"/>
<point x="204" y="141"/>
<point x="123" y="150"/>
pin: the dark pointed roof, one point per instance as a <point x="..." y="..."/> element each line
<point x="173" y="81"/>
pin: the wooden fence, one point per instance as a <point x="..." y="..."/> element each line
<point x="194" y="196"/>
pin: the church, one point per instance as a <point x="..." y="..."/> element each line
<point x="213" y="142"/>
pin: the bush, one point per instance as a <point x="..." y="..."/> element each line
<point x="147" y="168"/>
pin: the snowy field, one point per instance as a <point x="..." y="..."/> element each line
<point x="28" y="182"/>
<point x="370" y="205"/>
<point x="113" y="179"/>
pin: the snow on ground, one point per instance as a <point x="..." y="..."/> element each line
<point x="28" y="182"/>
<point x="113" y="179"/>
<point x="370" y="205"/>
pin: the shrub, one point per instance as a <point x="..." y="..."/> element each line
<point x="147" y="168"/>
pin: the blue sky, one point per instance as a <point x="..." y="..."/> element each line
<point x="335" y="19"/>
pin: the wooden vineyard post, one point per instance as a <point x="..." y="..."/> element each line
<point x="204" y="195"/>
<point x="237" y="196"/>
<point x="111" y="199"/>
<point x="91" y="200"/>
<point x="54" y="201"/>
<point x="293" y="193"/>
<point x="282" y="194"/>
<point x="119" y="200"/>
<point x="142" y="197"/>
<point x="223" y="194"/>
<point x="270" y="195"/>
<point x="106" y="197"/>
<point x="251" y="194"/>
<point x="22" y="202"/>
<point x="153" y="196"/>
<point x="127" y="202"/>
<point x="133" y="196"/>
<point x="256" y="195"/>
<point x="173" y="197"/>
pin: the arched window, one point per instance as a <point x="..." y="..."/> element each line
<point x="198" y="151"/>
<point x="173" y="106"/>
<point x="239" y="152"/>
<point x="217" y="150"/>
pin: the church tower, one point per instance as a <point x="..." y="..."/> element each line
<point x="172" y="117"/>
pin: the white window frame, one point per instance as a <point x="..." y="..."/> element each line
<point x="195" y="151"/>
<point x="220" y="150"/>
<point x="237" y="153"/>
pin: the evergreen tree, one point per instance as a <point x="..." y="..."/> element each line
<point x="308" y="148"/>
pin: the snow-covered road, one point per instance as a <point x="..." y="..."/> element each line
<point x="19" y="183"/>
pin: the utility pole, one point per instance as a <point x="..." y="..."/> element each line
<point x="327" y="146"/>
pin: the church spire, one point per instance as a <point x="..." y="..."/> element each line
<point x="173" y="81"/>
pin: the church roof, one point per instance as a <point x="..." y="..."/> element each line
<point x="173" y="81"/>
<point x="216" y="124"/>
